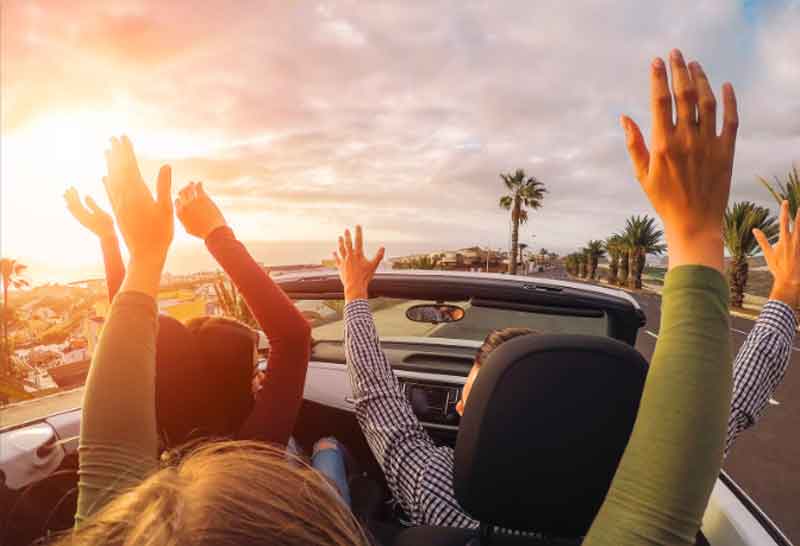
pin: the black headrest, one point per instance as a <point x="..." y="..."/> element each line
<point x="545" y="426"/>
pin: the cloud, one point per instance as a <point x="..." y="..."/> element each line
<point x="403" y="115"/>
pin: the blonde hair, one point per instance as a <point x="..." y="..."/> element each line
<point x="226" y="493"/>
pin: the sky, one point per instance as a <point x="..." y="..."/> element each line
<point x="303" y="118"/>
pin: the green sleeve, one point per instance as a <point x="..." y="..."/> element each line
<point x="119" y="443"/>
<point x="664" y="480"/>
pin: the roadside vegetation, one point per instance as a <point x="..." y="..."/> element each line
<point x="626" y="252"/>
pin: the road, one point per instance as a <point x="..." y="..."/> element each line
<point x="765" y="460"/>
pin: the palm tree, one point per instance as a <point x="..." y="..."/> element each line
<point x="624" y="261"/>
<point x="614" y="247"/>
<point x="522" y="247"/>
<point x="581" y="259"/>
<point x="11" y="271"/>
<point x="525" y="192"/>
<point x="738" y="225"/>
<point x="786" y="191"/>
<point x="568" y="264"/>
<point x="586" y="262"/>
<point x="571" y="264"/>
<point x="642" y="237"/>
<point x="595" y="249"/>
<point x="232" y="303"/>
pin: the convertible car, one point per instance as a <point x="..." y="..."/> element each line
<point x="430" y="324"/>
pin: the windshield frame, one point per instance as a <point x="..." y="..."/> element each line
<point x="624" y="316"/>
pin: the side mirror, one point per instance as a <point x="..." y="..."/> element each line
<point x="435" y="313"/>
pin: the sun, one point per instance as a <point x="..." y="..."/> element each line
<point x="59" y="145"/>
<point x="59" y="149"/>
<point x="39" y="161"/>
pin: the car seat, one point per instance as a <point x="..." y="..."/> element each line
<point x="546" y="424"/>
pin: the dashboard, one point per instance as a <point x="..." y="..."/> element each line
<point x="431" y="376"/>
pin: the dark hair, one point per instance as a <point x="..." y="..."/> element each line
<point x="497" y="338"/>
<point x="204" y="373"/>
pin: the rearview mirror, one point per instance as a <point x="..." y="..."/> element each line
<point x="435" y="313"/>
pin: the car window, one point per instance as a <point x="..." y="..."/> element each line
<point x="327" y="320"/>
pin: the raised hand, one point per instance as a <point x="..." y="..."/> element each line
<point x="146" y="224"/>
<point x="90" y="215"/>
<point x="199" y="215"/>
<point x="686" y="173"/>
<point x="355" y="269"/>
<point x="783" y="259"/>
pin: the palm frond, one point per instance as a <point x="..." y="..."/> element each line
<point x="509" y="181"/>
<point x="595" y="248"/>
<point x="642" y="234"/>
<point x="785" y="191"/>
<point x="738" y="224"/>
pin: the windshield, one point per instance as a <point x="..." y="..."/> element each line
<point x="327" y="320"/>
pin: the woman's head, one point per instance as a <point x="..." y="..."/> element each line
<point x="204" y="377"/>
<point x="490" y="343"/>
<point x="238" y="493"/>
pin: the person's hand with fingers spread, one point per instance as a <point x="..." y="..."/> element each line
<point x="355" y="269"/>
<point x="90" y="216"/>
<point x="686" y="173"/>
<point x="146" y="223"/>
<point x="783" y="259"/>
<point x="199" y="215"/>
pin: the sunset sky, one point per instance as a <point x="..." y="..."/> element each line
<point x="305" y="117"/>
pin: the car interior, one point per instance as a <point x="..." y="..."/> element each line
<point x="430" y="328"/>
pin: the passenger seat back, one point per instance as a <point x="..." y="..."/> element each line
<point x="545" y="426"/>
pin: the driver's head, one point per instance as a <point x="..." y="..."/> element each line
<point x="490" y="343"/>
<point x="204" y="378"/>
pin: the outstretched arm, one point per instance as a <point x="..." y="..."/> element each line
<point x="664" y="480"/>
<point x="288" y="331"/>
<point x="99" y="222"/>
<point x="765" y="354"/>
<point x="418" y="473"/>
<point x="114" y="266"/>
<point x="118" y="444"/>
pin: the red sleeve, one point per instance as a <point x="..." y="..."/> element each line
<point x="289" y="337"/>
<point x="115" y="269"/>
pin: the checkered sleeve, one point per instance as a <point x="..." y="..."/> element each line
<point x="419" y="474"/>
<point x="760" y="366"/>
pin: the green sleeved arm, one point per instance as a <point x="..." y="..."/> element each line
<point x="664" y="480"/>
<point x="119" y="442"/>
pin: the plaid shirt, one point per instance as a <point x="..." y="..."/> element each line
<point x="760" y="366"/>
<point x="420" y="474"/>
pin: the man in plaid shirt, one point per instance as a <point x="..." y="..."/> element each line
<point x="420" y="474"/>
